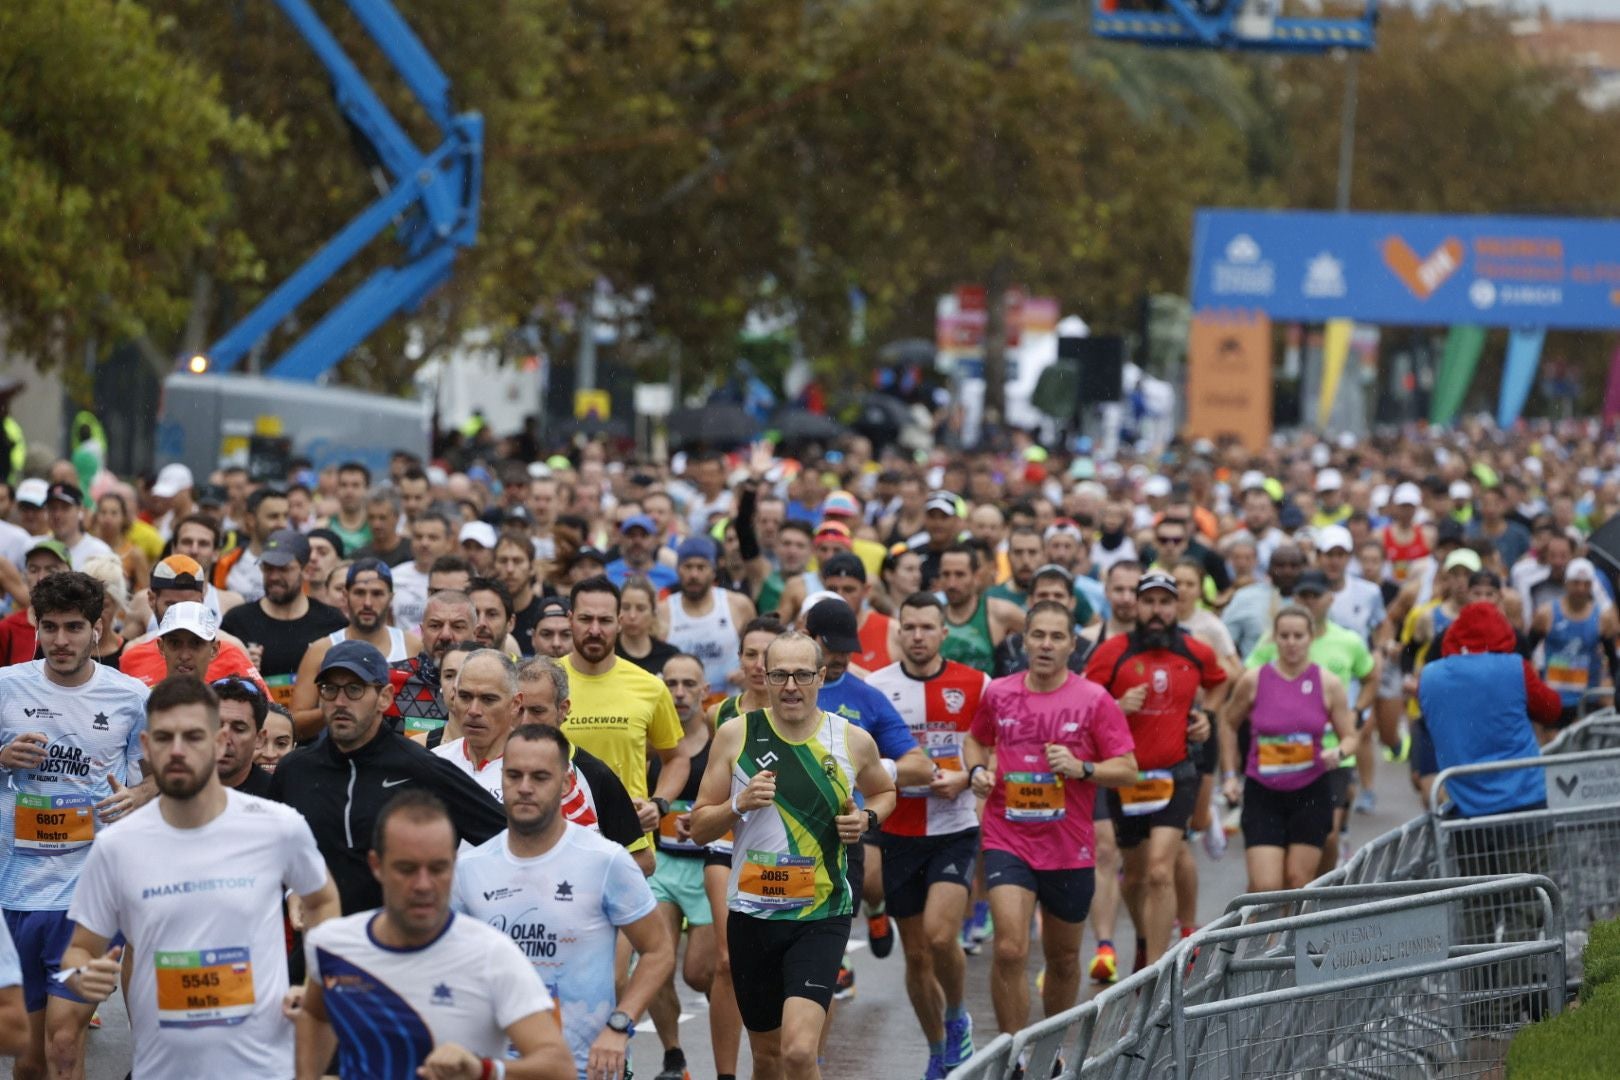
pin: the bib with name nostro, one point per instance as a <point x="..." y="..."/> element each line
<point x="53" y="824"/>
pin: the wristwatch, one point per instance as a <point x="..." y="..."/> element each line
<point x="662" y="804"/>
<point x="871" y="820"/>
<point x="620" y="1021"/>
<point x="1087" y="770"/>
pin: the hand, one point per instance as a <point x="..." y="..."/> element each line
<point x="948" y="783"/>
<point x="982" y="782"/>
<point x="292" y="1002"/>
<point x="1134" y="698"/>
<point x="120" y="802"/>
<point x="851" y="823"/>
<point x="1392" y="649"/>
<point x="26" y="751"/>
<point x="1331" y="758"/>
<point x="760" y="792"/>
<point x="1232" y="788"/>
<point x="255" y="653"/>
<point x="451" y="1062"/>
<point x="646" y="814"/>
<point x="100" y="976"/>
<point x="295" y="912"/>
<point x="761" y="456"/>
<point x="1062" y="761"/>
<point x="606" y="1060"/>
<point x="1198" y="727"/>
<point x="1409" y="685"/>
<point x="683" y="827"/>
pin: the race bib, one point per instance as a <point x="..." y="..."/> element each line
<point x="946" y="757"/>
<point x="778" y="881"/>
<point x="207" y="988"/>
<point x="53" y="824"/>
<point x="1567" y="678"/>
<point x="1279" y="755"/>
<point x="1033" y="796"/>
<point x="667" y="838"/>
<point x="419" y="727"/>
<point x="1150" y="794"/>
<point x="281" y="688"/>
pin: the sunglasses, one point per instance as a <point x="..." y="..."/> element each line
<point x="237" y="682"/>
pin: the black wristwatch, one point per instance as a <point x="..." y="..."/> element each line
<point x="662" y="804"/>
<point x="621" y="1022"/>
<point x="872" y="822"/>
<point x="1087" y="770"/>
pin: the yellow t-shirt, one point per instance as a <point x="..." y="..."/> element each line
<point x="148" y="539"/>
<point x="617" y="716"/>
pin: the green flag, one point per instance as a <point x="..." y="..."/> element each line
<point x="1464" y="344"/>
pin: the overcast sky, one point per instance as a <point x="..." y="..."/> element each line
<point x="1608" y="9"/>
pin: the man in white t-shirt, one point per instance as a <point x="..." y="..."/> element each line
<point x="194" y="883"/>
<point x="487" y="699"/>
<point x="412" y="989"/>
<point x="64" y="509"/>
<point x="562" y="892"/>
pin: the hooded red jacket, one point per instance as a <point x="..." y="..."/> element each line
<point x="1482" y="628"/>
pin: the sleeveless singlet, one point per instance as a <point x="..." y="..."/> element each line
<point x="712" y="638"/>
<point x="1402" y="556"/>
<point x="970" y="642"/>
<point x="1574" y="662"/>
<point x="396" y="643"/>
<point x="788" y="863"/>
<point x="1286" y="726"/>
<point x="668" y="843"/>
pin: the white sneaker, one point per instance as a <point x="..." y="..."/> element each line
<point x="1215" y="839"/>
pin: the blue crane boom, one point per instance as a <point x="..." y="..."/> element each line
<point x="1253" y="25"/>
<point x="432" y="201"/>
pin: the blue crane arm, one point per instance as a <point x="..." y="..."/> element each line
<point x="432" y="201"/>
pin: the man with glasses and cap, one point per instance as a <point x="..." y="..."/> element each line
<point x="341" y="783"/>
<point x="284" y="622"/>
<point x="180" y="579"/>
<point x="638" y="554"/>
<point x="370" y="588"/>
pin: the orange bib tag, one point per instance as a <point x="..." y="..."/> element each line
<point x="779" y="881"/>
<point x="1279" y="755"/>
<point x="1033" y="796"/>
<point x="281" y="689"/>
<point x="1150" y="794"/>
<point x="667" y="838"/>
<point x="207" y="988"/>
<point x="53" y="824"/>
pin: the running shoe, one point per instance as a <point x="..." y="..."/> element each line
<point x="1366" y="802"/>
<point x="879" y="935"/>
<point x="95" y="1020"/>
<point x="937" y="1069"/>
<point x="845" y="988"/>
<point x="983" y="926"/>
<point x="958" y="1041"/>
<point x="1215" y="839"/>
<point x="1105" y="965"/>
<point x="1040" y="981"/>
<point x="674" y="1074"/>
<point x="1402" y="753"/>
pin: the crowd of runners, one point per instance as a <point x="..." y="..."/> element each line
<point x="454" y="771"/>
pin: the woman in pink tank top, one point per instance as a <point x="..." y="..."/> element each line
<point x="1274" y="723"/>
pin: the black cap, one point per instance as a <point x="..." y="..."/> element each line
<point x="844" y="564"/>
<point x="64" y="493"/>
<point x="832" y="622"/>
<point x="212" y="495"/>
<point x="1290" y="517"/>
<point x="1450" y="532"/>
<point x="552" y="607"/>
<point x="285" y="547"/>
<point x="591" y="553"/>
<point x="330" y="537"/>
<point x="1157" y="579"/>
<point x="359" y="657"/>
<point x="1313" y="581"/>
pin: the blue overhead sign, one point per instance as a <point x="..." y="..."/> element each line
<point x="1409" y="269"/>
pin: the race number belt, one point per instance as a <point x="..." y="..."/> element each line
<point x="206" y="988"/>
<point x="1033" y="796"/>
<point x="667" y="837"/>
<point x="53" y="824"/>
<point x="771" y="879"/>
<point x="1279" y="755"/>
<point x="1567" y="678"/>
<point x="1150" y="794"/>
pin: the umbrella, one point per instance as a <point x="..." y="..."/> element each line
<point x="909" y="351"/>
<point x="592" y="426"/>
<point x="802" y="425"/>
<point x="715" y="424"/>
<point x="882" y="418"/>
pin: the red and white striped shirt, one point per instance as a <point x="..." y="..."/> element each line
<point x="939" y="711"/>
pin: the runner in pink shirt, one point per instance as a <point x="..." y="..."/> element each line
<point x="1056" y="736"/>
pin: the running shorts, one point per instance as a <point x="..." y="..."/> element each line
<point x="1062" y="894"/>
<point x="1280" y="818"/>
<point x="914" y="864"/>
<point x="775" y="959"/>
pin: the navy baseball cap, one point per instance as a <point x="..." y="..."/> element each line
<point x="369" y="565"/>
<point x="358" y="658"/>
<point x="695" y="547"/>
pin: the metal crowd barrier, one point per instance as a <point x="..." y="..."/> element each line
<point x="1596" y="731"/>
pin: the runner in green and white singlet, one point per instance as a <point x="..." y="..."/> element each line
<point x="782" y="779"/>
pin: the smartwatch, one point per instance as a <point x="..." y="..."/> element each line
<point x="1087" y="770"/>
<point x="661" y="803"/>
<point x="871" y="820"/>
<point x="620" y="1021"/>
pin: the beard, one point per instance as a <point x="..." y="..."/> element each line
<point x="1155" y="634"/>
<point x="176" y="786"/>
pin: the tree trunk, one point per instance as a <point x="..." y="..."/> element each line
<point x="995" y="343"/>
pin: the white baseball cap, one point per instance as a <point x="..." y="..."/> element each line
<point x="1460" y="489"/>
<point x="1580" y="570"/>
<point x="1380" y="496"/>
<point x="1329" y="480"/>
<point x="192" y="616"/>
<point x="1156" y="487"/>
<point x="171" y="480"/>
<point x="1407" y="494"/>
<point x="33" y="491"/>
<point x="481" y="533"/>
<point x="1335" y="536"/>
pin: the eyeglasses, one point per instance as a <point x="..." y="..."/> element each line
<point x="800" y="677"/>
<point x="1171" y="539"/>
<point x="354" y="691"/>
<point x="236" y="682"/>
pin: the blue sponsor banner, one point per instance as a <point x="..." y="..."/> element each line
<point x="1409" y="269"/>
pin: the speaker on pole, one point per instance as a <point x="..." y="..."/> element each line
<point x="1101" y="364"/>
